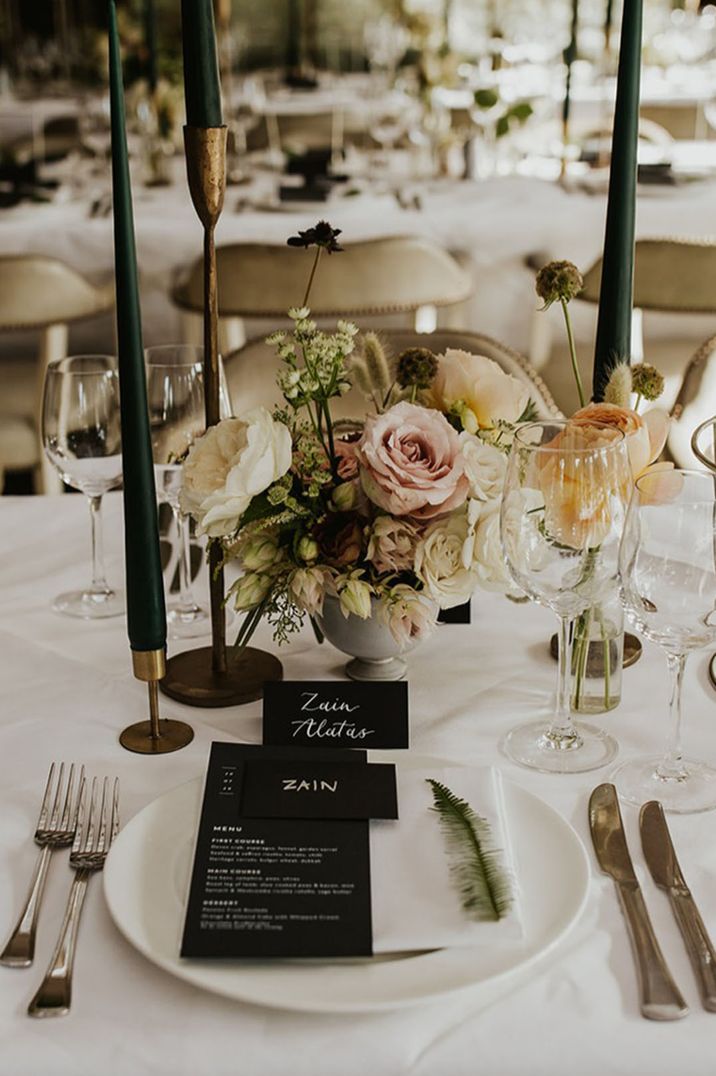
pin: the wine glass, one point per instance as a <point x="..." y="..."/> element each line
<point x="667" y="565"/>
<point x="562" y="512"/>
<point x="82" y="439"/>
<point x="175" y="394"/>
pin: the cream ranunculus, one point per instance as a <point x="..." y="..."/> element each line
<point x="485" y="467"/>
<point x="479" y="385"/>
<point x="229" y="465"/>
<point x="439" y="561"/>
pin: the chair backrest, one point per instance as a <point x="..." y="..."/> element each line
<point x="251" y="370"/>
<point x="695" y="403"/>
<point x="36" y="291"/>
<point x="378" y="276"/>
<point x="671" y="275"/>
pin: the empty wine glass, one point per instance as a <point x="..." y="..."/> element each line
<point x="562" y="513"/>
<point x="82" y="439"/>
<point x="175" y="394"/>
<point x="667" y="566"/>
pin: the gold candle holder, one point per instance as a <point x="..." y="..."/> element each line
<point x="154" y="737"/>
<point x="206" y="677"/>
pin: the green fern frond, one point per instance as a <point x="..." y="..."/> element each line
<point x="475" y="867"/>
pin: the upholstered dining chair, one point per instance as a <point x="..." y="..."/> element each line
<point x="695" y="403"/>
<point x="672" y="276"/>
<point x="251" y="370"/>
<point x="392" y="275"/>
<point x="44" y="296"/>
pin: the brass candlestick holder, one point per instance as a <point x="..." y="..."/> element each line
<point x="154" y="737"/>
<point x="208" y="676"/>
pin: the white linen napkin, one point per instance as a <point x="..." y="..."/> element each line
<point x="414" y="900"/>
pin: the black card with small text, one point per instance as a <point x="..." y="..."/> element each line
<point x="459" y="614"/>
<point x="336" y="714"/>
<point x="304" y="788"/>
<point x="278" y="887"/>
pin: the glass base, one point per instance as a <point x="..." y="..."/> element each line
<point x="531" y="746"/>
<point x="90" y="604"/>
<point x="188" y="623"/>
<point x="690" y="791"/>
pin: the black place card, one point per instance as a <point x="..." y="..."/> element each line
<point x="459" y="614"/>
<point x="304" y="788"/>
<point x="333" y="714"/>
<point x="275" y="887"/>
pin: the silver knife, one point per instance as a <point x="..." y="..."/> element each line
<point x="666" y="872"/>
<point x="660" y="998"/>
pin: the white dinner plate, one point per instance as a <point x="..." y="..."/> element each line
<point x="146" y="879"/>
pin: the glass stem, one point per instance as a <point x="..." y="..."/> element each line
<point x="186" y="596"/>
<point x="99" y="582"/>
<point x="562" y="731"/>
<point x="671" y="766"/>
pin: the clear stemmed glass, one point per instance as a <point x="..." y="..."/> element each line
<point x="561" y="518"/>
<point x="82" y="439"/>
<point x="667" y="566"/>
<point x="175" y="393"/>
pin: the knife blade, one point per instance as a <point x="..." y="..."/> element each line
<point x="659" y="996"/>
<point x="661" y="860"/>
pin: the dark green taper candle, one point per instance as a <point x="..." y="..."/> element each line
<point x="150" y="42"/>
<point x="570" y="55"/>
<point x="617" y="287"/>
<point x="202" y="88"/>
<point x="146" y="617"/>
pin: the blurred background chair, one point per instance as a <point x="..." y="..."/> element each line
<point x="674" y="306"/>
<point x="695" y="403"/>
<point x="43" y="296"/>
<point x="396" y="275"/>
<point x="251" y="370"/>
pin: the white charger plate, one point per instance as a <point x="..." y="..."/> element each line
<point x="146" y="880"/>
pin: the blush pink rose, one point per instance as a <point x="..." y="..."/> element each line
<point x="411" y="462"/>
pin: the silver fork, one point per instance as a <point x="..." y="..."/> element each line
<point x="89" y="850"/>
<point x="55" y="829"/>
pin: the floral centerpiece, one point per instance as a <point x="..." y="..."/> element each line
<point x="598" y="640"/>
<point x="392" y="518"/>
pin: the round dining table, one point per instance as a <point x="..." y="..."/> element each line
<point x="67" y="692"/>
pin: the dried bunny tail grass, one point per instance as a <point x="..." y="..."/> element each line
<point x="358" y="371"/>
<point x="377" y="365"/>
<point x="619" y="386"/>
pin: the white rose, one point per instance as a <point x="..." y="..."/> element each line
<point x="480" y="385"/>
<point x="488" y="554"/>
<point x="485" y="467"/>
<point x="439" y="561"/>
<point x="229" y="465"/>
<point x="522" y="543"/>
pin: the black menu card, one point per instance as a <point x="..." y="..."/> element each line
<point x="331" y="714"/>
<point x="284" y="886"/>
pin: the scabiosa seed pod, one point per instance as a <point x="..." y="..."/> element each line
<point x="417" y="366"/>
<point x="647" y="381"/>
<point x="558" y="281"/>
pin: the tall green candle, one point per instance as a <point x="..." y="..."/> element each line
<point x="146" y="617"/>
<point x="202" y="89"/>
<point x="617" y="287"/>
<point x="150" y="42"/>
<point x="570" y="55"/>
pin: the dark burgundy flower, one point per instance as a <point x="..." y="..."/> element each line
<point x="321" y="235"/>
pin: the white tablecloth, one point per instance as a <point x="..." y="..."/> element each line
<point x="66" y="693"/>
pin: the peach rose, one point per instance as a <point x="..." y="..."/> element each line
<point x="645" y="434"/>
<point x="480" y="387"/>
<point x="411" y="462"/>
<point x="583" y="484"/>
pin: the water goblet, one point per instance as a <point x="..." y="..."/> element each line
<point x="561" y="517"/>
<point x="175" y="394"/>
<point x="667" y="565"/>
<point x="82" y="438"/>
